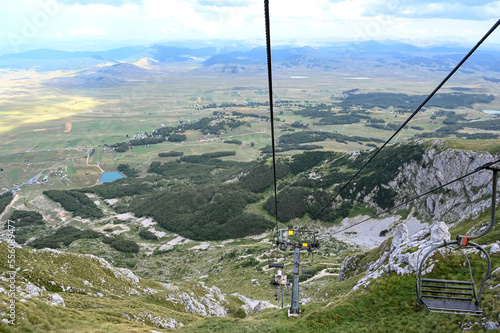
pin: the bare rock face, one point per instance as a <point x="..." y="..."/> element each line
<point x="400" y="236"/>
<point x="455" y="202"/>
<point x="439" y="233"/>
<point x="211" y="303"/>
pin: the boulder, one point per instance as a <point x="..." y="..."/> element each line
<point x="56" y="299"/>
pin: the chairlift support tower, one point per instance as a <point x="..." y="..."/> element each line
<point x="283" y="243"/>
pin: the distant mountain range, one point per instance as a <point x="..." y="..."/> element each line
<point x="382" y="54"/>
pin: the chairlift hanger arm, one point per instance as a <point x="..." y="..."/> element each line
<point x="464" y="239"/>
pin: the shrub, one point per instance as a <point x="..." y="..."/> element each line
<point x="146" y="234"/>
<point x="124" y="245"/>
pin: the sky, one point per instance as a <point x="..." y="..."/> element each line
<point x="77" y="25"/>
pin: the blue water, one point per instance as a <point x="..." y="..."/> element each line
<point x="491" y="111"/>
<point x="109" y="177"/>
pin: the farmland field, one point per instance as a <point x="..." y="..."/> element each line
<point x="55" y="128"/>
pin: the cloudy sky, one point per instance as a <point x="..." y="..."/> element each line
<point x="100" y="24"/>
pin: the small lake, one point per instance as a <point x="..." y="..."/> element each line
<point x="491" y="111"/>
<point x="108" y="177"/>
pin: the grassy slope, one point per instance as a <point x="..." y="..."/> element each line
<point x="387" y="304"/>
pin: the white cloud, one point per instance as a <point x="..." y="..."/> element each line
<point x="160" y="20"/>
<point x="452" y="9"/>
<point x="87" y="31"/>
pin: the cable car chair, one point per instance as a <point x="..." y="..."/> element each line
<point x="453" y="296"/>
<point x="309" y="271"/>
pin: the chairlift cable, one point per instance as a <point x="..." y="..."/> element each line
<point x="271" y="108"/>
<point x="438" y="87"/>
<point x="417" y="197"/>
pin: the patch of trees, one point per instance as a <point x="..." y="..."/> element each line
<point x="22" y="218"/>
<point x="195" y="172"/>
<point x="260" y="177"/>
<point x="212" y="125"/>
<point x="146" y="141"/>
<point x="281" y="148"/>
<point x="171" y="154"/>
<point x="5" y="200"/>
<point x="387" y="126"/>
<point x="127" y="170"/>
<point x="340" y="119"/>
<point x="454" y="129"/>
<point x="210" y="171"/>
<point x="163" y="131"/>
<point x="120" y="147"/>
<point x="299" y="124"/>
<point x="251" y="115"/>
<point x="177" y="137"/>
<point x="76" y="202"/>
<point x="407" y="103"/>
<point x="121" y="188"/>
<point x="146" y="234"/>
<point x="295" y="202"/>
<point x="203" y="212"/>
<point x="234" y="142"/>
<point x="308" y="160"/>
<point x="26" y="223"/>
<point x="121" y="244"/>
<point x="314" y="136"/>
<point x="307" y="195"/>
<point x="63" y="236"/>
<point x="205" y="157"/>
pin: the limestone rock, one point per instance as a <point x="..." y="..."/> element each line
<point x="400" y="236"/>
<point x="404" y="255"/>
<point x="56" y="299"/>
<point x="490" y="326"/>
<point x="253" y="306"/>
<point x="439" y="232"/>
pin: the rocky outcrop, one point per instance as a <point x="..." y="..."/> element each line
<point x="252" y="306"/>
<point x="198" y="299"/>
<point x="404" y="254"/>
<point x="456" y="202"/>
<point x="147" y="318"/>
<point x="56" y="299"/>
